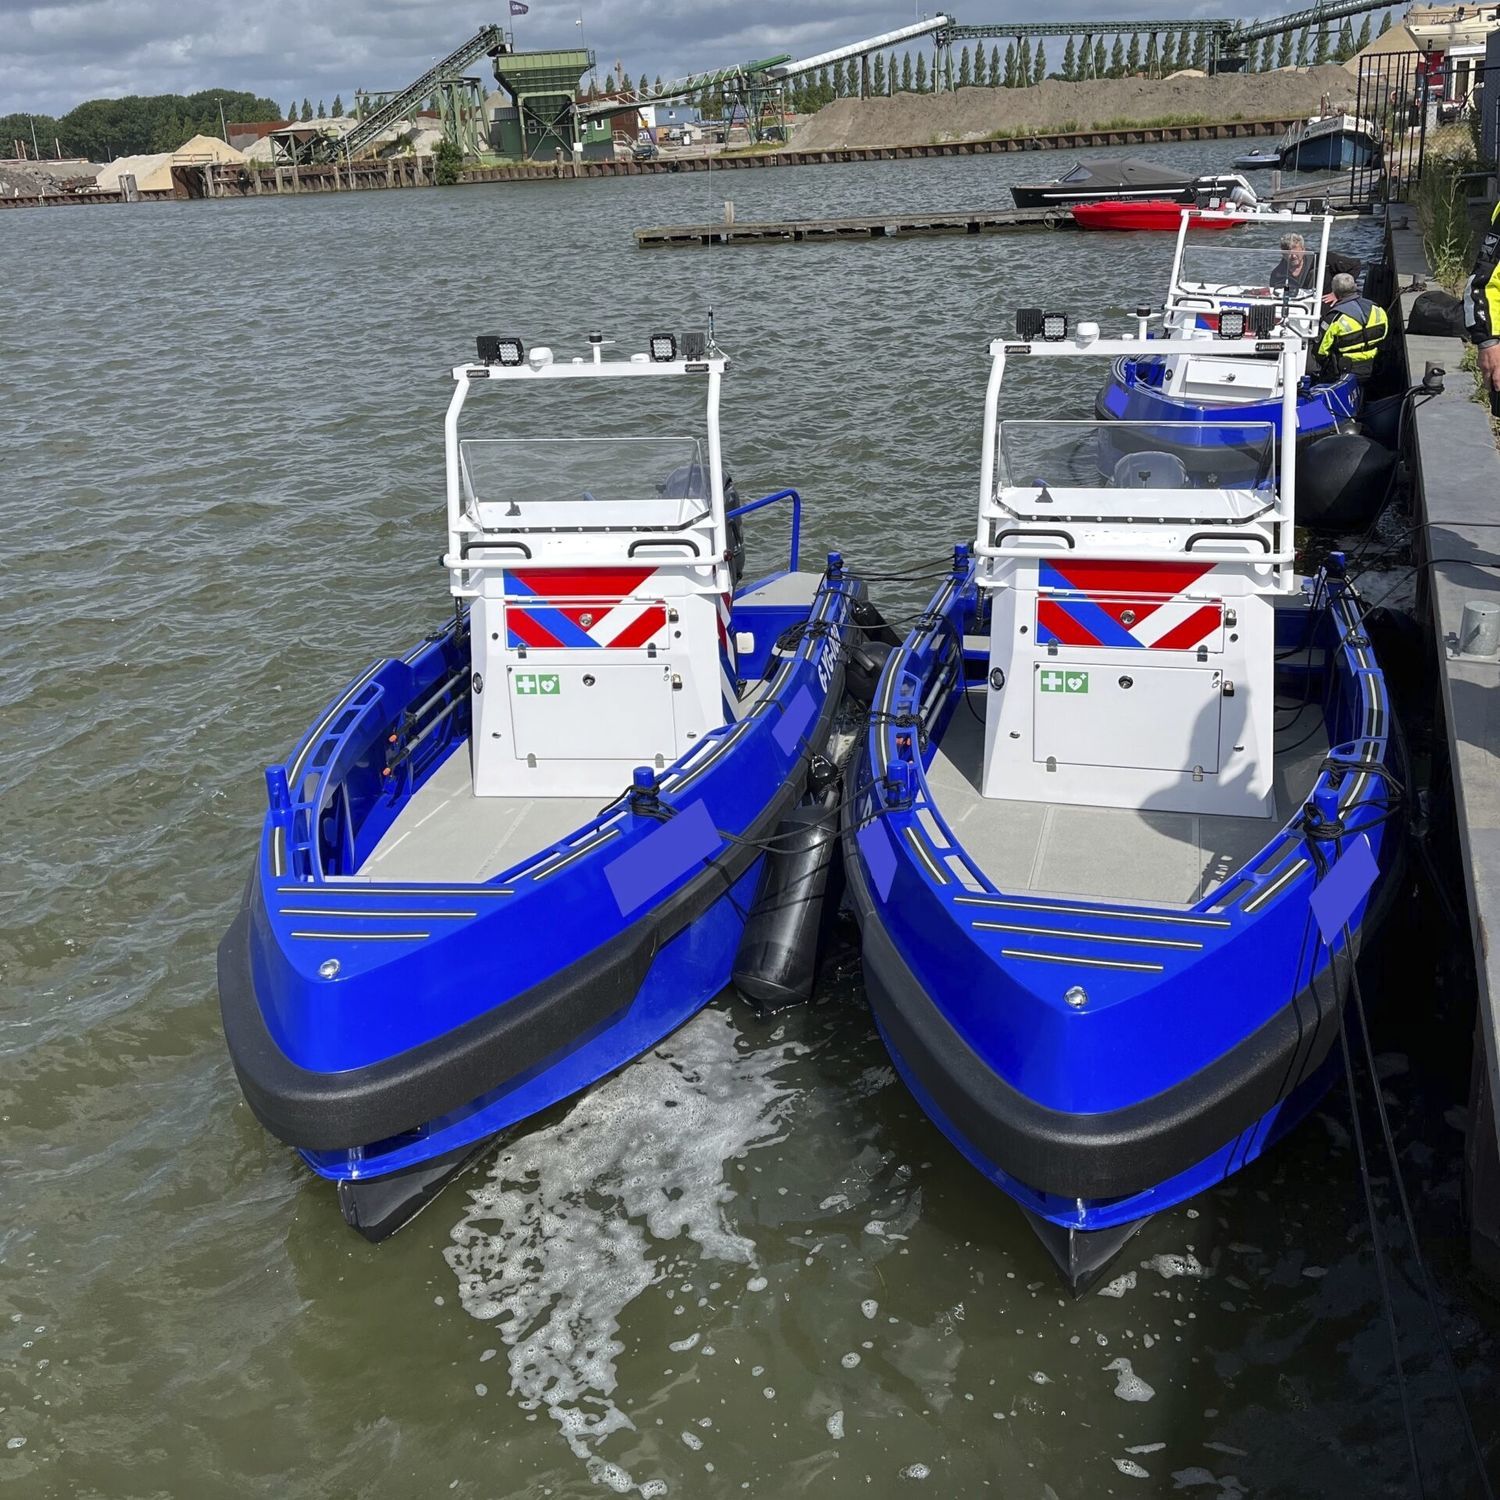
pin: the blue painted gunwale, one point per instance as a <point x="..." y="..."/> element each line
<point x="1226" y="965"/>
<point x="1132" y="395"/>
<point x="417" y="960"/>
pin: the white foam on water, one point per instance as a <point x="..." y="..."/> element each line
<point x="756" y="1284"/>
<point x="1130" y="1467"/>
<point x="1039" y="1377"/>
<point x="1119" y="1286"/>
<point x="576" y="1218"/>
<point x="681" y="1346"/>
<point x="15" y="1442"/>
<point x="692" y="1440"/>
<point x="915" y="1471"/>
<point x="849" y="1360"/>
<point x="869" y="1307"/>
<point x="1315" y="1273"/>
<point x="838" y="1200"/>
<point x="1146" y="1448"/>
<point x="836" y="1425"/>
<point x="1168" y="1266"/>
<point x="1128" y="1385"/>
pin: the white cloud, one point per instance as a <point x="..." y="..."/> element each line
<point x="63" y="51"/>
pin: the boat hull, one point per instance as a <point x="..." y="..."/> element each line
<point x="1329" y="153"/>
<point x="388" y="1065"/>
<point x="1130" y="396"/>
<point x="1091" y="1119"/>
<point x="1147" y="214"/>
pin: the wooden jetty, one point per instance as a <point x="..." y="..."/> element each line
<point x="869" y="227"/>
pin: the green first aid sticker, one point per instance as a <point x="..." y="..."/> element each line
<point x="538" y="684"/>
<point x="1056" y="680"/>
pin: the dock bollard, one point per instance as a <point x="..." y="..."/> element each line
<point x="1479" y="629"/>
<point x="728" y="211"/>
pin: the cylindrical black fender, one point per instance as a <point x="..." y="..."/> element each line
<point x="778" y="955"/>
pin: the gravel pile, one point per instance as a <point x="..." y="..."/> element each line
<point x="25" y="180"/>
<point x="973" y="114"/>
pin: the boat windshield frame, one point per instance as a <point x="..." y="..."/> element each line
<point x="1260" y="534"/>
<point x="1188" y="299"/>
<point x="481" y="529"/>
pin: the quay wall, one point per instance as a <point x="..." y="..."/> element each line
<point x="1456" y="468"/>
<point x="253" y="180"/>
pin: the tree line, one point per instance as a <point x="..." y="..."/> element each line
<point x="102" y="129"/>
<point x="1021" y="65"/>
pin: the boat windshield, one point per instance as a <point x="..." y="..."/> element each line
<point x="1062" y="459"/>
<point x="517" y="484"/>
<point x="1267" y="273"/>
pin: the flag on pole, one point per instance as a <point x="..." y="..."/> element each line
<point x="517" y="8"/>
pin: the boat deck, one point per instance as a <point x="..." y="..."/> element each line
<point x="446" y="834"/>
<point x="1159" y="858"/>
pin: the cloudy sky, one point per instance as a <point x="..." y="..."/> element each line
<point x="55" y="53"/>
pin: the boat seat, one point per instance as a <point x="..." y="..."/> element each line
<point x="1150" y="470"/>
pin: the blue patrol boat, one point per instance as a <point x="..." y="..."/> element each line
<point x="1253" y="289"/>
<point x="1124" y="813"/>
<point x="505" y="863"/>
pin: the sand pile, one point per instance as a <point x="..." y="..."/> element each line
<point x="973" y="114"/>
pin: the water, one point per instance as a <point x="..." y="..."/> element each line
<point x="744" y="1265"/>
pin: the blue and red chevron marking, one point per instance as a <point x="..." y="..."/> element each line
<point x="1084" y="603"/>
<point x="566" y="596"/>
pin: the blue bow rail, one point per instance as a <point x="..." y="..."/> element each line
<point x="796" y="542"/>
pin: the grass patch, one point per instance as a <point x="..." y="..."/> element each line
<point x="1442" y="202"/>
<point x="1072" y="127"/>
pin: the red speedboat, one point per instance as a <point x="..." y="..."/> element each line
<point x="1147" y="213"/>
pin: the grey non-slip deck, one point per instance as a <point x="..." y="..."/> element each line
<point x="446" y="834"/>
<point x="1160" y="858"/>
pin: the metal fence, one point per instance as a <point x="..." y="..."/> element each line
<point x="1401" y="96"/>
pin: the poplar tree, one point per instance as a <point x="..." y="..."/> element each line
<point x="338" y="107"/>
<point x="1345" y="48"/>
<point x="291" y="112"/>
<point x="1133" y="55"/>
<point x="1023" y="64"/>
<point x="1070" y="61"/>
<point x="1200" y="51"/>
<point x="1385" y="24"/>
<point x="997" y="75"/>
<point x="965" y="74"/>
<point x="1321" y="56"/>
<point x="947" y="72"/>
<point x="1116" y="59"/>
<point x="878" y="82"/>
<point x="307" y="113"/>
<point x="921" y="72"/>
<point x="1010" y="65"/>
<point x="1099" y="64"/>
<point x="1184" y="51"/>
<point x="1284" y="51"/>
<point x="1153" y="57"/>
<point x="1268" y="55"/>
<point x="1039" y="71"/>
<point x="906" y="74"/>
<point x="1363" y="40"/>
<point x="1304" y="47"/>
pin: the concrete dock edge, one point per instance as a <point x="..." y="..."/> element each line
<point x="1456" y="467"/>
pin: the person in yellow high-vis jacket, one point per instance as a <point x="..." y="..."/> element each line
<point x="1356" y="330"/>
<point x="1482" y="303"/>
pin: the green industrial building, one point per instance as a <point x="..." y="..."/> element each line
<point x="541" y="118"/>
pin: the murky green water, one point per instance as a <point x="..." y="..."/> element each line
<point x="745" y="1264"/>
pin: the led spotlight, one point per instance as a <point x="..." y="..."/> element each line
<point x="496" y="349"/>
<point x="695" y="346"/>
<point x="1301" y="206"/>
<point x="663" y="347"/>
<point x="1262" y="320"/>
<point x="1028" y="322"/>
<point x="1054" y="327"/>
<point x="1232" y="323"/>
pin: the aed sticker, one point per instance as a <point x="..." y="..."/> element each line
<point x="1055" y="681"/>
<point x="538" y="684"/>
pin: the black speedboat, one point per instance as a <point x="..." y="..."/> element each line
<point x="1096" y="179"/>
